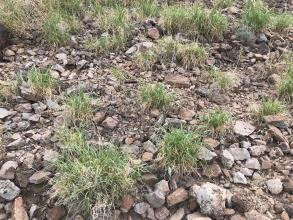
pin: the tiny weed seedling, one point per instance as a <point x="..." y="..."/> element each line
<point x="155" y="96"/>
<point x="179" y="151"/>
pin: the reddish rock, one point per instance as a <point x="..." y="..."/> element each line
<point x="211" y="143"/>
<point x="110" y="123"/>
<point x="162" y="213"/>
<point x="153" y="33"/>
<point x="55" y="213"/>
<point x="126" y="203"/>
<point x="186" y="114"/>
<point x="178" y="81"/>
<point x="179" y="195"/>
<point x="99" y="117"/>
<point x="147" y="156"/>
<point x="19" y="212"/>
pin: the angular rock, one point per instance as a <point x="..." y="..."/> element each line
<point x="254" y="215"/>
<point x="252" y="163"/>
<point x="211" y="143"/>
<point x="186" y="114"/>
<point x="178" y="81"/>
<point x="211" y="199"/>
<point x="110" y="123"/>
<point x="163" y="186"/>
<point x="4" y="113"/>
<point x="153" y="33"/>
<point x="173" y="123"/>
<point x="162" y="213"/>
<point x="15" y="145"/>
<point x="278" y="134"/>
<point x="178" y="196"/>
<point x="19" y="212"/>
<point x="149" y="147"/>
<point x="278" y="121"/>
<point x="178" y="215"/>
<point x="8" y="170"/>
<point x="156" y="199"/>
<point x="141" y="208"/>
<point x="197" y="216"/>
<point x="227" y="159"/>
<point x="239" y="153"/>
<point x="241" y="203"/>
<point x="275" y="186"/>
<point x="212" y="171"/>
<point x="258" y="150"/>
<point x="8" y="190"/>
<point x="239" y="177"/>
<point x="243" y="128"/>
<point x="206" y="155"/>
<point x="39" y="177"/>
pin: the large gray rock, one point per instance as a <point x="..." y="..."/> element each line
<point x="227" y="159"/>
<point x="239" y="153"/>
<point x="8" y="190"/>
<point x="211" y="199"/>
<point x="156" y="199"/>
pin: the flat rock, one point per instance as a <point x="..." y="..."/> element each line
<point x="278" y="121"/>
<point x="162" y="213"/>
<point x="178" y="196"/>
<point x="141" y="208"/>
<point x="163" y="186"/>
<point x="212" y="171"/>
<point x="254" y="215"/>
<point x="206" y="155"/>
<point x="186" y="114"/>
<point x="197" y="216"/>
<point x="239" y="177"/>
<point x="39" y="177"/>
<point x="8" y="190"/>
<point x="178" y="81"/>
<point x="258" y="150"/>
<point x="178" y="215"/>
<point x="110" y="123"/>
<point x="227" y="159"/>
<point x="4" y="113"/>
<point x="252" y="163"/>
<point x="243" y="128"/>
<point x="19" y="212"/>
<point x="275" y="186"/>
<point x="156" y="199"/>
<point x="277" y="134"/>
<point x="239" y="153"/>
<point x="8" y="170"/>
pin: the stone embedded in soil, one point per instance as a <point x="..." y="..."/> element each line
<point x="178" y="215"/>
<point x="126" y="203"/>
<point x="178" y="196"/>
<point x="8" y="169"/>
<point x="227" y="159"/>
<point x="241" y="203"/>
<point x="110" y="123"/>
<point x="19" y="212"/>
<point x="277" y="134"/>
<point x="266" y="164"/>
<point x="15" y="145"/>
<point x="252" y="163"/>
<point x="197" y="216"/>
<point x="211" y="143"/>
<point x="55" y="213"/>
<point x="147" y="156"/>
<point x="243" y="128"/>
<point x="141" y="208"/>
<point x="239" y="153"/>
<point x="156" y="199"/>
<point x="219" y="99"/>
<point x="149" y="147"/>
<point x="206" y="155"/>
<point x="239" y="177"/>
<point x="278" y="121"/>
<point x="39" y="177"/>
<point x="8" y="190"/>
<point x="153" y="33"/>
<point x="4" y="113"/>
<point x="186" y="114"/>
<point x="258" y="150"/>
<point x="28" y="94"/>
<point x="275" y="186"/>
<point x="289" y="209"/>
<point x="162" y="213"/>
<point x="212" y="171"/>
<point x="254" y="215"/>
<point x="99" y="117"/>
<point x="246" y="171"/>
<point x="211" y="199"/>
<point x="178" y="81"/>
<point x="173" y="123"/>
<point x="163" y="186"/>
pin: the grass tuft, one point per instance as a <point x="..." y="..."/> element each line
<point x="155" y="96"/>
<point x="257" y="15"/>
<point x="87" y="176"/>
<point x="118" y="73"/>
<point x="41" y="82"/>
<point x="179" y="150"/>
<point x="147" y="9"/>
<point x="285" y="87"/>
<point x="245" y="35"/>
<point x="270" y="107"/>
<point x="192" y="54"/>
<point x="167" y="48"/>
<point x="224" y="3"/>
<point x="222" y="79"/>
<point x="216" y="120"/>
<point x="282" y="22"/>
<point x="145" y="59"/>
<point x="78" y="107"/>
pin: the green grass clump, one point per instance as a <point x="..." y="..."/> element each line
<point x="257" y="15"/>
<point x="41" y="82"/>
<point x="224" y="3"/>
<point x="285" y="87"/>
<point x="282" y="22"/>
<point x="167" y="49"/>
<point x="222" y="79"/>
<point x="87" y="176"/>
<point x="155" y="96"/>
<point x="118" y="73"/>
<point x="216" y="120"/>
<point x="78" y="107"/>
<point x="179" y="150"/>
<point x="147" y="9"/>
<point x="192" y="54"/>
<point x="270" y="107"/>
<point x="145" y="59"/>
<point x="245" y="35"/>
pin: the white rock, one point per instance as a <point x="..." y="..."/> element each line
<point x="275" y="186"/>
<point x="258" y="150"/>
<point x="227" y="159"/>
<point x="8" y="170"/>
<point x="239" y="153"/>
<point x="239" y="177"/>
<point x="206" y="154"/>
<point x="243" y="128"/>
<point x="4" y="113"/>
<point x="8" y="190"/>
<point x="252" y="163"/>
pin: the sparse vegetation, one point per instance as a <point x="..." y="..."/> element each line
<point x="270" y="107"/>
<point x="192" y="54"/>
<point x="179" y="150"/>
<point x="41" y="82"/>
<point x="118" y="73"/>
<point x="146" y="59"/>
<point x="155" y="96"/>
<point x="281" y="22"/>
<point x="87" y="176"/>
<point x="224" y="3"/>
<point x="285" y="87"/>
<point x="257" y="15"/>
<point x="78" y="107"/>
<point x="245" y="35"/>
<point x="167" y="49"/>
<point x="216" y="120"/>
<point x="222" y="79"/>
<point x="147" y="8"/>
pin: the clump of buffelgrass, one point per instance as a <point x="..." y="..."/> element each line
<point x="270" y="107"/>
<point x="146" y="59"/>
<point x="106" y="43"/>
<point x="78" y="107"/>
<point x="41" y="82"/>
<point x="222" y="79"/>
<point x="224" y="3"/>
<point x="118" y="73"/>
<point x="285" y="87"/>
<point x="147" y="9"/>
<point x="257" y="15"/>
<point x="155" y="96"/>
<point x="216" y="120"/>
<point x="192" y="54"/>
<point x="245" y="35"/>
<point x="282" y="22"/>
<point x="179" y="150"/>
<point x="87" y="176"/>
<point x="167" y="48"/>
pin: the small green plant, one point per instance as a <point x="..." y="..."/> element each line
<point x="224" y="3"/>
<point x="41" y="82"/>
<point x="281" y="22"/>
<point x="147" y="9"/>
<point x="270" y="107"/>
<point x="222" y="79"/>
<point x="145" y="59"/>
<point x="155" y="96"/>
<point x="256" y="15"/>
<point x="192" y="54"/>
<point x="87" y="176"/>
<point x="216" y="120"/>
<point x="285" y="87"/>
<point x="118" y="73"/>
<point x="179" y="150"/>
<point x="78" y="107"/>
<point x="167" y="48"/>
<point x="245" y="35"/>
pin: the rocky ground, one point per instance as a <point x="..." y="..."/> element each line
<point x="248" y="173"/>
